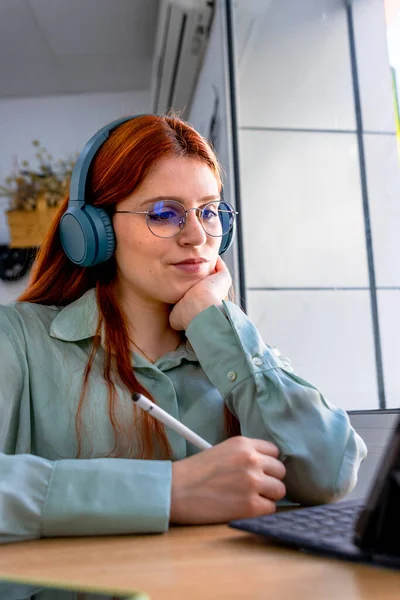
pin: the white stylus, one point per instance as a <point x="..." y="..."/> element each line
<point x="161" y="415"/>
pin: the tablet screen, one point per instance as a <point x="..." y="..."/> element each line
<point x="377" y="524"/>
<point x="24" y="591"/>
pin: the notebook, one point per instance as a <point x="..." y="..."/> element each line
<point x="359" y="530"/>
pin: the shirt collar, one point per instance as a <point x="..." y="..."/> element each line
<point x="79" y="320"/>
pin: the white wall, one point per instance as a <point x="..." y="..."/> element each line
<point x="63" y="124"/>
<point x="308" y="284"/>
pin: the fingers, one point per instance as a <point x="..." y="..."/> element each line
<point x="269" y="461"/>
<point x="273" y="467"/>
<point x="258" y="454"/>
<point x="265" y="447"/>
<point x="265" y="480"/>
<point x="222" y="270"/>
<point x="272" y="489"/>
<point x="258" y="506"/>
<point x="272" y="473"/>
<point x="220" y="266"/>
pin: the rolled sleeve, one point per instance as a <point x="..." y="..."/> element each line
<point x="321" y="450"/>
<point x="107" y="496"/>
<point x="41" y="498"/>
<point x="24" y="483"/>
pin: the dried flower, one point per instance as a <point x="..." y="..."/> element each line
<point x="25" y="184"/>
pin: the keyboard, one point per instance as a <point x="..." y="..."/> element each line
<point x="327" y="529"/>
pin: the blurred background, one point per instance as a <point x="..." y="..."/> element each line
<point x="300" y="99"/>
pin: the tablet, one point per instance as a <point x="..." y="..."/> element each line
<point x="16" y="590"/>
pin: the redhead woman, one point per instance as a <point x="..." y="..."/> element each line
<point x="131" y="297"/>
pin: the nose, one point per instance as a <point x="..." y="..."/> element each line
<point x="193" y="233"/>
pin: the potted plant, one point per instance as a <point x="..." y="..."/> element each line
<point x="34" y="195"/>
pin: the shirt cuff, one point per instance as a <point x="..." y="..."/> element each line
<point x="229" y="347"/>
<point x="107" y="496"/>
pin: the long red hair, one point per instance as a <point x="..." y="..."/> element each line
<point x="119" y="167"/>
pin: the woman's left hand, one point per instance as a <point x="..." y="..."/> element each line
<point x="207" y="292"/>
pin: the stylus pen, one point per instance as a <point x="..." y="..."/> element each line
<point x="162" y="416"/>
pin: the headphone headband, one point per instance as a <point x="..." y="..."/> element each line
<point x="77" y="187"/>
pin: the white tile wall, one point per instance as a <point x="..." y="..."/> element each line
<point x="294" y="68"/>
<point x="373" y="65"/>
<point x="302" y="210"/>
<point x="328" y="337"/>
<point x="383" y="177"/>
<point x="389" y="322"/>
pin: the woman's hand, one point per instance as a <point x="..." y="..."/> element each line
<point x="210" y="290"/>
<point x="239" y="478"/>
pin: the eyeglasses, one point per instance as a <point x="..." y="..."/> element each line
<point x="167" y="218"/>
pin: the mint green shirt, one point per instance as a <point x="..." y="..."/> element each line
<point x="46" y="491"/>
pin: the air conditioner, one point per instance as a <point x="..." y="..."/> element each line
<point x="182" y="33"/>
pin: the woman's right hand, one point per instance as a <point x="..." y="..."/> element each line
<point x="238" y="478"/>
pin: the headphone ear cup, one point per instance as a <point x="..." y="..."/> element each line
<point x="227" y="238"/>
<point x="106" y="237"/>
<point x="87" y="235"/>
<point x="86" y="232"/>
<point x="226" y="241"/>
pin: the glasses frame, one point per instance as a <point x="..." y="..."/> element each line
<point x="199" y="213"/>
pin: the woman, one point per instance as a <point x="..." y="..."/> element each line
<point x="78" y="458"/>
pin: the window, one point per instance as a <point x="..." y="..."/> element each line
<point x="319" y="167"/>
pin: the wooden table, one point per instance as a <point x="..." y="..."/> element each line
<point x="196" y="563"/>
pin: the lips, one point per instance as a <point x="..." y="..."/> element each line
<point x="191" y="261"/>
<point x="192" y="265"/>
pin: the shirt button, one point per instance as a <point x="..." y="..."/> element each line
<point x="231" y="376"/>
<point x="257" y="361"/>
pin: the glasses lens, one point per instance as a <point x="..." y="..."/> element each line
<point x="165" y="218"/>
<point x="218" y="218"/>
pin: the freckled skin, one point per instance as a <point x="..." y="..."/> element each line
<point x="145" y="262"/>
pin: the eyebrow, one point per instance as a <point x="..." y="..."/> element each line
<point x="204" y="200"/>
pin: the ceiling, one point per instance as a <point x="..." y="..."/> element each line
<point x="75" y="46"/>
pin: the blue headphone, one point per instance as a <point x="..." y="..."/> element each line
<point x="86" y="232"/>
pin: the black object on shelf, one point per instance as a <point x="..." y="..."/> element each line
<point x="15" y="262"/>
